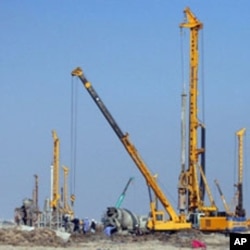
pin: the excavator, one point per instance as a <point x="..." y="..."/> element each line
<point x="156" y="220"/>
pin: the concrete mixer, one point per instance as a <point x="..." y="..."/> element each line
<point x="124" y="220"/>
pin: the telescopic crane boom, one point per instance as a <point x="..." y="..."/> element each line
<point x="175" y="221"/>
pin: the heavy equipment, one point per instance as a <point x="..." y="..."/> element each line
<point x="125" y="221"/>
<point x="29" y="214"/>
<point x="55" y="195"/>
<point x="156" y="220"/>
<point x="204" y="218"/>
<point x="191" y="188"/>
<point x="60" y="211"/>
<point x="226" y="206"/>
<point x="122" y="196"/>
<point x="238" y="221"/>
<point x="67" y="209"/>
<point x="239" y="210"/>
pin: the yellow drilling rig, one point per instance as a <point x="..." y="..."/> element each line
<point x="193" y="182"/>
<point x="191" y="189"/>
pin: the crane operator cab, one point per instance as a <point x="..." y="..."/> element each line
<point x="194" y="219"/>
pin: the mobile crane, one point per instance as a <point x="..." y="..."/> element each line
<point x="157" y="221"/>
<point x="202" y="217"/>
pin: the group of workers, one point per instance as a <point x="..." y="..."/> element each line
<point x="84" y="225"/>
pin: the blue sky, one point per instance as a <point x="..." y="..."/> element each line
<point x="131" y="52"/>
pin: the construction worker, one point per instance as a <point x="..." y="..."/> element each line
<point x="92" y="226"/>
<point x="86" y="225"/>
<point x="76" y="223"/>
<point x="109" y="230"/>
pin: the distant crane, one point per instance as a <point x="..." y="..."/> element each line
<point x="66" y="207"/>
<point x="239" y="210"/>
<point x="122" y="196"/>
<point x="55" y="176"/>
<point x="227" y="209"/>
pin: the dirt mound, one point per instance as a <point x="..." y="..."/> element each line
<point x="36" y="237"/>
<point x="48" y="238"/>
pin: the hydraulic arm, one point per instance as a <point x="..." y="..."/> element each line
<point x="175" y="221"/>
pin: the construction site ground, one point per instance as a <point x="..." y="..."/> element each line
<point x="42" y="238"/>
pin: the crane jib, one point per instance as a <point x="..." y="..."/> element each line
<point x="102" y="107"/>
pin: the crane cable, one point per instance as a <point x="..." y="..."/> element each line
<point x="183" y="103"/>
<point x="202" y="77"/>
<point x="183" y="78"/>
<point x="73" y="138"/>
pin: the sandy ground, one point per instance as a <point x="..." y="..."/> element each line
<point x="40" y="239"/>
<point x="152" y="245"/>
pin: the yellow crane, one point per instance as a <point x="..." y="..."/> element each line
<point x="238" y="221"/>
<point x="157" y="220"/>
<point x="56" y="176"/>
<point x="226" y="206"/>
<point x="193" y="182"/>
<point x="239" y="210"/>
<point x="66" y="207"/>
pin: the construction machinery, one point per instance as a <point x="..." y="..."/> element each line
<point x="192" y="182"/>
<point x="156" y="220"/>
<point x="226" y="206"/>
<point x="122" y="196"/>
<point x="125" y="221"/>
<point x="67" y="209"/>
<point x="28" y="214"/>
<point x="239" y="210"/>
<point x="238" y="222"/>
<point x="55" y="195"/>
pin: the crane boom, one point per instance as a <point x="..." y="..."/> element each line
<point x="176" y="222"/>
<point x="122" y="196"/>
<point x="222" y="197"/>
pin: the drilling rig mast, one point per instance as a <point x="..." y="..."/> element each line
<point x="239" y="210"/>
<point x="55" y="183"/>
<point x="189" y="178"/>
